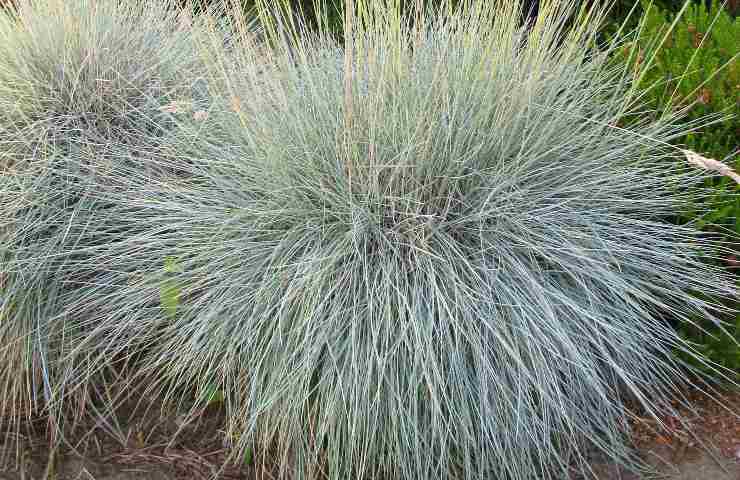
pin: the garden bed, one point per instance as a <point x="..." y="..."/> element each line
<point x="146" y="446"/>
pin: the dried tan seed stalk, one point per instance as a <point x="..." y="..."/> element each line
<point x="711" y="164"/>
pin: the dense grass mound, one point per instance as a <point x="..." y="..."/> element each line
<point x="76" y="79"/>
<point x="427" y="253"/>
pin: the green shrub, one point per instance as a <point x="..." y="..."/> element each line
<point x="697" y="68"/>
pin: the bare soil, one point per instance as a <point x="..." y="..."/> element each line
<point x="145" y="446"/>
<point x="705" y="446"/>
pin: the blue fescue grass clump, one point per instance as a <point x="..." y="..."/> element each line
<point x="427" y="252"/>
<point x="80" y="81"/>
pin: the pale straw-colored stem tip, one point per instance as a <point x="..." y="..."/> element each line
<point x="711" y="164"/>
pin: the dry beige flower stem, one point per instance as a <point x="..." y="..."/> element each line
<point x="178" y="106"/>
<point x="236" y="104"/>
<point x="711" y="164"/>
<point x="171" y="108"/>
<point x="185" y="21"/>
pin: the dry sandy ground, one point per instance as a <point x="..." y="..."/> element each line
<point x="137" y="448"/>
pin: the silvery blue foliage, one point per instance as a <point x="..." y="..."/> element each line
<point x="437" y="257"/>
<point x="83" y="85"/>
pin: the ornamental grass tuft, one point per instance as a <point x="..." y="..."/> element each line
<point x="79" y="80"/>
<point x="432" y="250"/>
